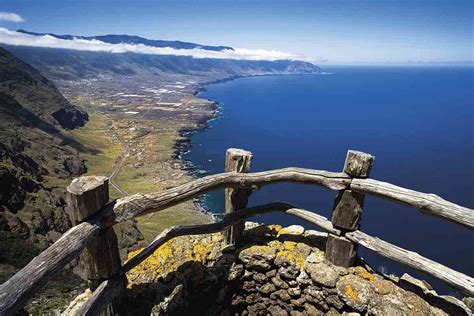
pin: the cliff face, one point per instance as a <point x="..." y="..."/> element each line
<point x="35" y="152"/>
<point x="275" y="271"/>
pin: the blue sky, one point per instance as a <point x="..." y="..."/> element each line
<point x="339" y="31"/>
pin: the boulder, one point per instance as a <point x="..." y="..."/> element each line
<point x="322" y="273"/>
<point x="355" y="292"/>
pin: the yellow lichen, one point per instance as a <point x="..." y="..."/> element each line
<point x="275" y="228"/>
<point x="363" y="273"/>
<point x="172" y="254"/>
<point x="288" y="251"/>
<point x="351" y="292"/>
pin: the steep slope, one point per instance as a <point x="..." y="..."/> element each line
<point x="36" y="152"/>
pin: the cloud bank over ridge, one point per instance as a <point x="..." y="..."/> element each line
<point x="21" y="39"/>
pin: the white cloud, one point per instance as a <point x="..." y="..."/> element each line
<point x="21" y="39"/>
<point x="10" y="17"/>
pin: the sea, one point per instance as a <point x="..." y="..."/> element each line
<point x="418" y="122"/>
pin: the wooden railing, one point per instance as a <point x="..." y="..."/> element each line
<point x="94" y="218"/>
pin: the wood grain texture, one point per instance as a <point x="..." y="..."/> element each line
<point x="358" y="164"/>
<point x="340" y="251"/>
<point x="347" y="211"/>
<point x="412" y="259"/>
<point x="429" y="204"/>
<point x="101" y="259"/>
<point x="142" y="204"/>
<point x="237" y="160"/>
<point x="15" y="292"/>
<point x="85" y="196"/>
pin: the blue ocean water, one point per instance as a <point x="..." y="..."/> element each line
<point x="417" y="121"/>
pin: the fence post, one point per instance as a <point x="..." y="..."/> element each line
<point x="347" y="211"/>
<point x="237" y="160"/>
<point x="101" y="259"/>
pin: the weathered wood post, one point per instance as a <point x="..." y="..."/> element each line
<point x="101" y="259"/>
<point x="347" y="211"/>
<point x="237" y="160"/>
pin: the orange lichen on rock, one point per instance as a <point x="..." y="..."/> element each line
<point x="363" y="273"/>
<point x="352" y="293"/>
<point x="173" y="254"/>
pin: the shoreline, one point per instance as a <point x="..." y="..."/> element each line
<point x="183" y="146"/>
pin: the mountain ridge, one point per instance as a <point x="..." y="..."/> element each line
<point x="134" y="39"/>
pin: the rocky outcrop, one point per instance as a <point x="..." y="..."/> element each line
<point x="275" y="271"/>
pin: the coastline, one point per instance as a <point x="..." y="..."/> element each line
<point x="183" y="145"/>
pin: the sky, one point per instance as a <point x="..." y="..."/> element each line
<point x="333" y="31"/>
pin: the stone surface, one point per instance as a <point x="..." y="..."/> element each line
<point x="322" y="273"/>
<point x="258" y="257"/>
<point x="268" y="275"/>
<point x="296" y="230"/>
<point x="354" y="291"/>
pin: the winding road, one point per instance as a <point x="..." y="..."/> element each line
<point x="118" y="164"/>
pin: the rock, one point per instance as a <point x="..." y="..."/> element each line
<point x="334" y="301"/>
<point x="271" y="273"/>
<point x="290" y="272"/>
<point x="259" y="277"/>
<point x="303" y="278"/>
<point x="247" y="275"/>
<point x="298" y="313"/>
<point x="258" y="257"/>
<point x="312" y="310"/>
<point x="267" y="288"/>
<point x="355" y="291"/>
<point x="294" y="291"/>
<point x="174" y="302"/>
<point x="296" y="230"/>
<point x="74" y="166"/>
<point x="257" y="309"/>
<point x="76" y="305"/>
<point x="388" y="305"/>
<point x="252" y="298"/>
<point x="449" y="304"/>
<point x="322" y="273"/>
<point x="250" y="225"/>
<point x="313" y="295"/>
<point x="291" y="253"/>
<point x="298" y="302"/>
<point x="315" y="257"/>
<point x="282" y="294"/>
<point x="279" y="282"/>
<point x="249" y="286"/>
<point x="277" y="310"/>
<point x="383" y="287"/>
<point x="235" y="272"/>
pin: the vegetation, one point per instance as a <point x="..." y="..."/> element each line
<point x="149" y="165"/>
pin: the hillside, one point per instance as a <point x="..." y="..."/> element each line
<point x="64" y="64"/>
<point x="35" y="147"/>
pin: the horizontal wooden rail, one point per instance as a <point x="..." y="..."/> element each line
<point x="414" y="260"/>
<point x="15" y="292"/>
<point x="141" y="204"/>
<point x="430" y="204"/>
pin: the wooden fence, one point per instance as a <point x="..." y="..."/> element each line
<point x="93" y="237"/>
